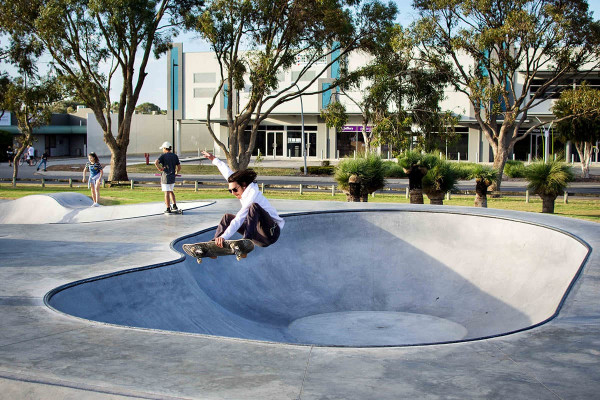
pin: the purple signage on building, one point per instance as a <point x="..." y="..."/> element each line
<point x="355" y="128"/>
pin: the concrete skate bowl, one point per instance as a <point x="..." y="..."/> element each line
<point x="357" y="278"/>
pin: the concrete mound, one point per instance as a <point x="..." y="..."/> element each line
<point x="68" y="207"/>
<point x="370" y="278"/>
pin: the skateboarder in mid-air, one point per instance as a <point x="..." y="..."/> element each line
<point x="168" y="164"/>
<point x="257" y="220"/>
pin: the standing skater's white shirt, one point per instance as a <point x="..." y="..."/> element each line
<point x="251" y="195"/>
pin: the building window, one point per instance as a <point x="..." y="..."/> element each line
<point x="205" y="77"/>
<point x="306" y="77"/>
<point x="554" y="91"/>
<point x="203" y="92"/>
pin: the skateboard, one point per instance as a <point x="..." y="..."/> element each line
<point x="161" y="175"/>
<point x="202" y="250"/>
<point x="178" y="211"/>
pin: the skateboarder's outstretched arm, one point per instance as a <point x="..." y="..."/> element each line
<point x="223" y="167"/>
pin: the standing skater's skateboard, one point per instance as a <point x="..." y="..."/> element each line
<point x="202" y="250"/>
<point x="178" y="211"/>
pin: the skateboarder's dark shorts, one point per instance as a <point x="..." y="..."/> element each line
<point x="258" y="226"/>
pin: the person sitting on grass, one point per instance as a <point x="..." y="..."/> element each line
<point x="257" y="220"/>
<point x="168" y="164"/>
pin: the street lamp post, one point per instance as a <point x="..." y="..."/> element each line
<point x="173" y="99"/>
<point x="302" y="141"/>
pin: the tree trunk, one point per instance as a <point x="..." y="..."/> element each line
<point x="584" y="149"/>
<point x="548" y="203"/>
<point x="118" y="165"/>
<point x="416" y="196"/>
<point x="354" y="189"/>
<point x="436" y="198"/>
<point x="480" y="194"/>
<point x="16" y="159"/>
<point x="499" y="161"/>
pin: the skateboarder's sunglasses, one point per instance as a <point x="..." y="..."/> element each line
<point x="233" y="190"/>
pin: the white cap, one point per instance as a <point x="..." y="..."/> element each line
<point x="165" y="145"/>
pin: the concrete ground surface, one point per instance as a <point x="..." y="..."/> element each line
<point x="47" y="354"/>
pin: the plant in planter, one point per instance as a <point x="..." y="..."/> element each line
<point x="548" y="181"/>
<point x="415" y="166"/>
<point x="360" y="177"/>
<point x="484" y="177"/>
<point x="440" y="179"/>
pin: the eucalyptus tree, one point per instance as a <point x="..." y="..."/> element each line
<point x="90" y="42"/>
<point x="507" y="56"/>
<point x="31" y="102"/>
<point x="399" y="95"/>
<point x="255" y="40"/>
<point x="582" y="105"/>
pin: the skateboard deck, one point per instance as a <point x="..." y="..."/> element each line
<point x="161" y="174"/>
<point x="202" y="250"/>
<point x="178" y="211"/>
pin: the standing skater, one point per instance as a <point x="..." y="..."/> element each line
<point x="10" y="154"/>
<point x="257" y="220"/>
<point x="96" y="173"/>
<point x="168" y="164"/>
<point x="43" y="161"/>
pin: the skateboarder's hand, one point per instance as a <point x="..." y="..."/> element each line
<point x="219" y="241"/>
<point x="209" y="156"/>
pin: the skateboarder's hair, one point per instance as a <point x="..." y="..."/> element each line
<point x="243" y="177"/>
<point x="94" y="156"/>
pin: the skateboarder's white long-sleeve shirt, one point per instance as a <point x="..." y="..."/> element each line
<point x="251" y="195"/>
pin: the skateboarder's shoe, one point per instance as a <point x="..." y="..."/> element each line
<point x="174" y="207"/>
<point x="168" y="211"/>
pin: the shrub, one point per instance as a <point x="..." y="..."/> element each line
<point x="320" y="170"/>
<point x="514" y="169"/>
<point x="391" y="169"/>
<point x="369" y="168"/>
<point x="465" y="170"/>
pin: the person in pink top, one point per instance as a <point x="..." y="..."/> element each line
<point x="257" y="219"/>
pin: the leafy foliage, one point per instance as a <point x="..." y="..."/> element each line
<point x="368" y="167"/>
<point x="483" y="173"/>
<point x="514" y="169"/>
<point x="441" y="178"/>
<point x="549" y="179"/>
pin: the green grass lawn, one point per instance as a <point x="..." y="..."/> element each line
<point x="583" y="208"/>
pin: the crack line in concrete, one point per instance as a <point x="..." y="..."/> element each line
<point x="531" y="374"/>
<point x="305" y="372"/>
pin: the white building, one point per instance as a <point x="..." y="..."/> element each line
<point x="195" y="80"/>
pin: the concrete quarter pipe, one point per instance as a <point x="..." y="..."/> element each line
<point x="353" y="278"/>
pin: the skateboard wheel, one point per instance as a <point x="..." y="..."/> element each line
<point x="199" y="260"/>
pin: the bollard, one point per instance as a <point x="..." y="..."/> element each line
<point x="338" y="154"/>
<point x="407" y="193"/>
<point x="477" y="157"/>
<point x="527" y="196"/>
<point x="195" y="186"/>
<point x="103" y="183"/>
<point x="514" y="156"/>
<point x="440" y="155"/>
<point x="262" y="187"/>
<point x="529" y="158"/>
<point x="332" y="190"/>
<point x="566" y="198"/>
<point x="43" y="183"/>
<point x="373" y="194"/>
<point x="132" y="184"/>
<point x="70" y="182"/>
<point x="572" y="158"/>
<point x="300" y="188"/>
<point x="447" y="195"/>
<point x="459" y="157"/>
